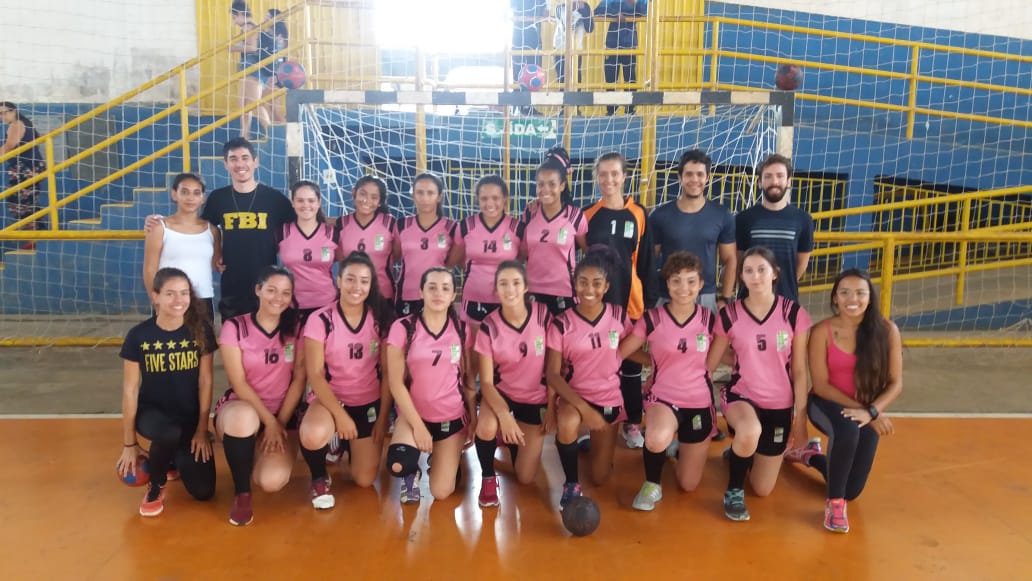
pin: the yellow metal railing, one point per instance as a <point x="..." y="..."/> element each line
<point x="181" y="106"/>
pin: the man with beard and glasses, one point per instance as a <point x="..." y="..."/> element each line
<point x="777" y="224"/>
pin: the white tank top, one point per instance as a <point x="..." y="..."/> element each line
<point x="192" y="254"/>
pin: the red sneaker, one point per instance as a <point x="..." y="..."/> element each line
<point x="241" y="513"/>
<point x="154" y="501"/>
<point x="488" y="492"/>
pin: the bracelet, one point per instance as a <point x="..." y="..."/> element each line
<point x="873" y="411"/>
<point x="130" y="445"/>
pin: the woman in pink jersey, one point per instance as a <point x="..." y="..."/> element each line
<point x="765" y="401"/>
<point x="423" y="241"/>
<point x="552" y="232"/>
<point x="582" y="366"/>
<point x="349" y="394"/>
<point x="516" y="401"/>
<point x="308" y="248"/>
<point x="679" y="400"/>
<point x="856" y="365"/>
<point x="266" y="375"/>
<point x="371" y="230"/>
<point x="425" y="367"/>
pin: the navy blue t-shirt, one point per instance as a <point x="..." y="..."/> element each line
<point x="786" y="232"/>
<point x="698" y="233"/>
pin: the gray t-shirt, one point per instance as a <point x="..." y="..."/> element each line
<point x="698" y="233"/>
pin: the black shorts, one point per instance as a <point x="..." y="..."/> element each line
<point x="364" y="416"/>
<point x="555" y="304"/>
<point x="526" y="413"/>
<point x="409" y="307"/>
<point x="444" y="430"/>
<point x="775" y="426"/>
<point x="694" y="425"/>
<point x="479" y="311"/>
<point x="609" y="413"/>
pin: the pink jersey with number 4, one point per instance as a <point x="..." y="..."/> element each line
<point x="351" y="355"/>
<point x="590" y="351"/>
<point x="375" y="239"/>
<point x="310" y="259"/>
<point x="679" y="375"/>
<point x="551" y="249"/>
<point x="763" y="350"/>
<point x="486" y="248"/>
<point x="421" y="250"/>
<point x="518" y="353"/>
<point x="268" y="362"/>
<point x="433" y="365"/>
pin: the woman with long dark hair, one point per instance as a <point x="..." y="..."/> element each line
<point x="371" y="229"/>
<point x="423" y="241"/>
<point x="856" y="366"/>
<point x="349" y="394"/>
<point x="166" y="391"/>
<point x="256" y="417"/>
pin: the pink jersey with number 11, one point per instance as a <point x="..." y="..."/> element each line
<point x="591" y="354"/>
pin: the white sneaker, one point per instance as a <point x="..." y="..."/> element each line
<point x="632" y="436"/>
<point x="648" y="496"/>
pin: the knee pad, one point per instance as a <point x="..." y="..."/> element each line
<point x="405" y="457"/>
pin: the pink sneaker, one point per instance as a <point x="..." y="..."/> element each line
<point x="835" y="519"/>
<point x="489" y="492"/>
<point x="154" y="501"/>
<point x="803" y="455"/>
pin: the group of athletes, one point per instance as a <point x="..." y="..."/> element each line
<point x="346" y="327"/>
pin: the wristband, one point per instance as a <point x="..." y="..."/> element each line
<point x="873" y="411"/>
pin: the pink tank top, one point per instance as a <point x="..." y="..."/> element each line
<point x="841" y="367"/>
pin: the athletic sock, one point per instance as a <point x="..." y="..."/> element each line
<point x="316" y="460"/>
<point x="653" y="464"/>
<point x="485" y="453"/>
<point x="240" y="457"/>
<point x="568" y="459"/>
<point x="737" y="470"/>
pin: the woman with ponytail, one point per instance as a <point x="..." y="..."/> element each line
<point x="856" y="366"/>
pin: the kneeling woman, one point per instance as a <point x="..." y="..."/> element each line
<point x="679" y="403"/>
<point x="266" y="377"/>
<point x="765" y="401"/>
<point x="349" y="393"/>
<point x="856" y="364"/>
<point x="166" y="391"/>
<point x="425" y="370"/>
<point x="583" y="366"/>
<point x="511" y="346"/>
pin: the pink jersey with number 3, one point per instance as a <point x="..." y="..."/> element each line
<point x="590" y="350"/>
<point x="763" y="350"/>
<point x="351" y="356"/>
<point x="310" y="259"/>
<point x="433" y="364"/>
<point x="375" y="239"/>
<point x="518" y="354"/>
<point x="679" y="375"/>
<point x="421" y="250"/>
<point x="268" y="362"/>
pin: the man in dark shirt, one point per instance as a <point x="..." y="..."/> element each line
<point x="780" y="226"/>
<point x="622" y="35"/>
<point x="251" y="216"/>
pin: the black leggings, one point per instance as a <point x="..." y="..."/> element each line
<point x="630" y="389"/>
<point x="850" y="449"/>
<point x="613" y="66"/>
<point x="170" y="439"/>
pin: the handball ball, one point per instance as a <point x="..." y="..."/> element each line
<point x="788" y="77"/>
<point x="532" y="78"/>
<point x="290" y="75"/>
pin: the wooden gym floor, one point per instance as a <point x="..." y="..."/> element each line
<point x="949" y="498"/>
